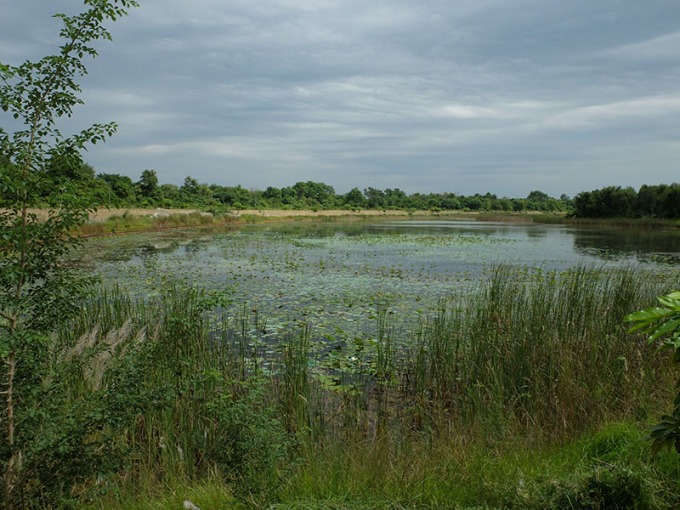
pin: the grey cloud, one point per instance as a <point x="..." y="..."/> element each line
<point x="467" y="96"/>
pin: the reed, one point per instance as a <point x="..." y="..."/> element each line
<point x="531" y="357"/>
<point x="540" y="351"/>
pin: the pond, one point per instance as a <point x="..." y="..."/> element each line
<point x="333" y="276"/>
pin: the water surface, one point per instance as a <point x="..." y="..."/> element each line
<point x="335" y="275"/>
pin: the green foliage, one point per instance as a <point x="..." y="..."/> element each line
<point x="662" y="325"/>
<point x="148" y="184"/>
<point x="662" y="201"/>
<point x="146" y="392"/>
<point x="40" y="164"/>
<point x="120" y="189"/>
<point x="608" y="486"/>
<point x="251" y="446"/>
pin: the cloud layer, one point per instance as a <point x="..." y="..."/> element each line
<point x="466" y="96"/>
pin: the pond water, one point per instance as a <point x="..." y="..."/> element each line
<point x="335" y="275"/>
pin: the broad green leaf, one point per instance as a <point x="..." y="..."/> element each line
<point x="648" y="315"/>
<point x="664" y="329"/>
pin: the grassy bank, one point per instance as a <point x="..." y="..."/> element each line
<point x="141" y="220"/>
<point x="527" y="394"/>
<point x="113" y="221"/>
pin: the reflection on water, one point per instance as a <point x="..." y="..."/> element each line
<point x="645" y="245"/>
<point x="335" y="275"/>
<point x="585" y="244"/>
<point x="548" y="246"/>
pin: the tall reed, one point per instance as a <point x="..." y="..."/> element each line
<point x="538" y="351"/>
<point x="185" y="393"/>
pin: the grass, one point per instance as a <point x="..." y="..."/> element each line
<point x="517" y="474"/>
<point x="610" y="468"/>
<point x="127" y="223"/>
<point x="527" y="393"/>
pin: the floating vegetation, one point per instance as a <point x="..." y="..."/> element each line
<point x="333" y="275"/>
<point x="281" y="345"/>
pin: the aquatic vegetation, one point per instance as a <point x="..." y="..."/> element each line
<point x="376" y="364"/>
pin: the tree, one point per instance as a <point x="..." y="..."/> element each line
<point x="189" y="187"/>
<point x="538" y="196"/>
<point x="148" y="184"/>
<point x="375" y="198"/>
<point x="313" y="194"/>
<point x="121" y="186"/>
<point x="609" y="202"/>
<point x="35" y="291"/>
<point x="354" y="198"/>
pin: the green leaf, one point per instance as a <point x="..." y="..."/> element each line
<point x="664" y="329"/>
<point x="670" y="302"/>
<point x="648" y="315"/>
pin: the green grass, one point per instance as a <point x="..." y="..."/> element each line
<point x="126" y="223"/>
<point x="210" y="493"/>
<point x="645" y="222"/>
<point x="609" y="464"/>
<point x="610" y="468"/>
<point x="524" y="394"/>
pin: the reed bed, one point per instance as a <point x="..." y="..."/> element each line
<point x="173" y="391"/>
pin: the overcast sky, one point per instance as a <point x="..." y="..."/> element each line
<point x="465" y="96"/>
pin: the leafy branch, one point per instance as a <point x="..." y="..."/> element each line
<point x="662" y="325"/>
<point x="36" y="292"/>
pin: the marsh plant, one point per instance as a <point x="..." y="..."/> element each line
<point x="157" y="390"/>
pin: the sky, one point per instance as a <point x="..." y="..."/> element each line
<point x="460" y="96"/>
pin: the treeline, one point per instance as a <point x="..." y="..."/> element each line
<point x="660" y="201"/>
<point x="71" y="175"/>
<point x="64" y="175"/>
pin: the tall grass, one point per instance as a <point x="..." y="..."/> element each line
<point x="532" y="358"/>
<point x="539" y="352"/>
<point x="139" y="223"/>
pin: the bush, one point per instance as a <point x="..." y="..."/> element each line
<point x="609" y="487"/>
<point x="250" y="446"/>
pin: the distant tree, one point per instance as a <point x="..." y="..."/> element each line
<point x="672" y="202"/>
<point x="354" y="198"/>
<point x="190" y="187"/>
<point x="233" y="196"/>
<point x="194" y="194"/>
<point x="450" y="202"/>
<point x="122" y="188"/>
<point x="375" y="198"/>
<point x="609" y="202"/>
<point x="662" y="201"/>
<point x="519" y="204"/>
<point x="273" y="196"/>
<point x="314" y="194"/>
<point x="475" y="202"/>
<point x="538" y="196"/>
<point x="505" y="204"/>
<point x="147" y="185"/>
<point x="396" y="199"/>
<point x="169" y="195"/>
<point x="68" y="165"/>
